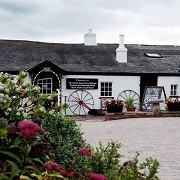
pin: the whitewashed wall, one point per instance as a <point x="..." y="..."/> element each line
<point x="119" y="84"/>
<point x="166" y="81"/>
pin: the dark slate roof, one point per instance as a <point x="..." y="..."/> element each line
<point x="78" y="58"/>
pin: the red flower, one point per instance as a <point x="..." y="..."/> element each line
<point x="113" y="101"/>
<point x="94" y="176"/>
<point x="66" y="173"/>
<point x="84" y="151"/>
<point x="52" y="166"/>
<point x="63" y="172"/>
<point x="28" y="128"/>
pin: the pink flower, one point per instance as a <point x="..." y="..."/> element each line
<point x="63" y="172"/>
<point x="28" y="128"/>
<point x="66" y="173"/>
<point x="52" y="166"/>
<point x="113" y="101"/>
<point x="94" y="176"/>
<point x="84" y="151"/>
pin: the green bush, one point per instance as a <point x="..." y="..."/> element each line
<point x="27" y="151"/>
<point x="105" y="159"/>
<point x="65" y="134"/>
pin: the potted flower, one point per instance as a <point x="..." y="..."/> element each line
<point x="173" y="104"/>
<point x="114" y="105"/>
<point x="129" y="104"/>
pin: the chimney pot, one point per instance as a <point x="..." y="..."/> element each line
<point x="121" y="51"/>
<point x="90" y="38"/>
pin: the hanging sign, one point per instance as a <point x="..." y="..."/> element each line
<point x="76" y="83"/>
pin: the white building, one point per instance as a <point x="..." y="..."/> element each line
<point x="86" y="74"/>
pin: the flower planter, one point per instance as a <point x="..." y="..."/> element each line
<point x="130" y="109"/>
<point x="173" y="106"/>
<point x="114" y="108"/>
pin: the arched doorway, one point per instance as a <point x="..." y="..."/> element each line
<point x="47" y="80"/>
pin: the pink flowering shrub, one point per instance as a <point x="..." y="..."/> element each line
<point x="26" y="151"/>
<point x="28" y="128"/>
<point x="94" y="176"/>
<point x="84" y="151"/>
<point x="52" y="166"/>
<point x="66" y="173"/>
<point x="113" y="102"/>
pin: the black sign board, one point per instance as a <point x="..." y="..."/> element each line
<point x="76" y="83"/>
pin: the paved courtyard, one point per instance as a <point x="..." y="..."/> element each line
<point x="155" y="137"/>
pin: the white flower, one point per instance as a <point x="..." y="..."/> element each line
<point x="9" y="109"/>
<point x="1" y="95"/>
<point x="49" y="98"/>
<point x="24" y="85"/>
<point x="42" y="109"/>
<point x="4" y="101"/>
<point x="6" y="90"/>
<point x="6" y="75"/>
<point x="18" y="114"/>
<point x="1" y="88"/>
<point x="37" y="88"/>
<point x="52" y="111"/>
<point x="6" y="113"/>
<point x="25" y="115"/>
<point x="20" y="109"/>
<point x="6" y="96"/>
<point x="23" y="73"/>
<point x="18" y="90"/>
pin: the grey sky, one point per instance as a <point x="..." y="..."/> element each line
<point x="66" y="21"/>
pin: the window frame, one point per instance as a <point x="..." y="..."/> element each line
<point x="173" y="89"/>
<point x="45" y="83"/>
<point x="109" y="89"/>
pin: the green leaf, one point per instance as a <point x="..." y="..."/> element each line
<point x="12" y="155"/>
<point x="33" y="168"/>
<point x="17" y="141"/>
<point x="15" y="169"/>
<point x="37" y="160"/>
<point x="3" y="177"/>
<point x="28" y="150"/>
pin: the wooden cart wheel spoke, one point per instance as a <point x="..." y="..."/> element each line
<point x="87" y="99"/>
<point x="84" y="97"/>
<point x="89" y="104"/>
<point x="84" y="109"/>
<point x="85" y="105"/>
<point x="76" y="108"/>
<point x="84" y="101"/>
<point x="77" y="95"/>
<point x="73" y="105"/>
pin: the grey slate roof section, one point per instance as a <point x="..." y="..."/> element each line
<point x="78" y="58"/>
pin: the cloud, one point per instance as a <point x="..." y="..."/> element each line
<point x="141" y="21"/>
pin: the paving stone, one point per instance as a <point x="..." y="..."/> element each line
<point x="155" y="137"/>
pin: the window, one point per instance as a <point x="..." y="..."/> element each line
<point x="173" y="90"/>
<point x="106" y="88"/>
<point x="46" y="85"/>
<point x="153" y="55"/>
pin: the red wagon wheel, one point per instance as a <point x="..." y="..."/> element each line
<point x="80" y="102"/>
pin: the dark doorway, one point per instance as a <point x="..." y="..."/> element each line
<point x="147" y="80"/>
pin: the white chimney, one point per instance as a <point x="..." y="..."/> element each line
<point x="90" y="38"/>
<point x="121" y="51"/>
